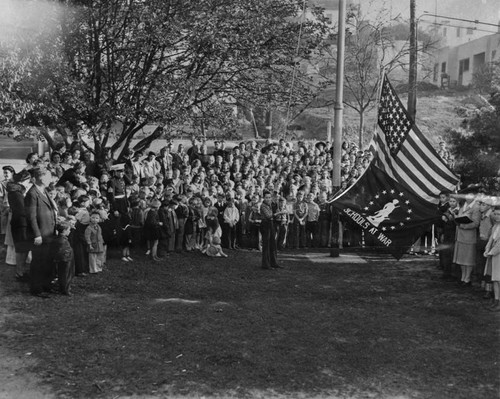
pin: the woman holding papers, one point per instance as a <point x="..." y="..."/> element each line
<point x="466" y="237"/>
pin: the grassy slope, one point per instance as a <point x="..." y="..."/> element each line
<point x="435" y="112"/>
<point x="211" y="327"/>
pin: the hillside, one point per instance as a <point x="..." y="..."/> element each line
<point x="435" y="113"/>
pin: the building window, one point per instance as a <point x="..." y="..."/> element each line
<point x="443" y="67"/>
<point x="470" y="31"/>
<point x="466" y="65"/>
<point x="458" y="32"/>
<point x="329" y="18"/>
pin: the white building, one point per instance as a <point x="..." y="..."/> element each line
<point x="455" y="65"/>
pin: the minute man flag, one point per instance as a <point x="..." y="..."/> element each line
<point x="394" y="201"/>
<point x="390" y="215"/>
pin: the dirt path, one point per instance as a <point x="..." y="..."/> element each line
<point x="16" y="381"/>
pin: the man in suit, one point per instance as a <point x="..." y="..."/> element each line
<point x="41" y="213"/>
<point x="268" y="213"/>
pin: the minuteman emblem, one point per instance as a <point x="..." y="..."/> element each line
<point x="391" y="206"/>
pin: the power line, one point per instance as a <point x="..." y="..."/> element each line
<point x="458" y="26"/>
<point x="475" y="21"/>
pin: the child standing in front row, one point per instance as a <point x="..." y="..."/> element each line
<point x="492" y="254"/>
<point x="61" y="249"/>
<point x="95" y="242"/>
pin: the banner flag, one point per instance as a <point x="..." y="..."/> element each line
<point x="404" y="153"/>
<point x="390" y="215"/>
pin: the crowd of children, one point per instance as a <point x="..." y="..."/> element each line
<point x="209" y="201"/>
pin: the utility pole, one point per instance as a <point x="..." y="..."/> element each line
<point x="412" y="79"/>
<point x="338" y="115"/>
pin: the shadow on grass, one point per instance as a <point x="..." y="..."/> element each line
<point x="191" y="325"/>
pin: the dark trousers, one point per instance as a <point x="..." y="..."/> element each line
<point x="254" y="236"/>
<point x="312" y="234"/>
<point x="179" y="235"/>
<point x="239" y="234"/>
<point x="228" y="236"/>
<point x="41" y="268"/>
<point x="300" y="235"/>
<point x="480" y="259"/>
<point x="281" y="232"/>
<point x="65" y="273"/>
<point x="324" y="232"/>
<point x="269" y="251"/>
<point x="137" y="237"/>
<point x="162" y="246"/>
<point x="80" y="249"/>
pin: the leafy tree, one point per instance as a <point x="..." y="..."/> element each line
<point x="110" y="67"/>
<point x="477" y="145"/>
<point x="371" y="47"/>
<point x="486" y="79"/>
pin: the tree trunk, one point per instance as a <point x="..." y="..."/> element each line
<point x="46" y="135"/>
<point x="254" y="124"/>
<point x="146" y="142"/>
<point x="361" y="128"/>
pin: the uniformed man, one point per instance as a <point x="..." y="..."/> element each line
<point x="117" y="194"/>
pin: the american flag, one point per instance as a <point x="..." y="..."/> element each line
<point x="405" y="154"/>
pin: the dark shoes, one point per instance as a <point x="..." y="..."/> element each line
<point x="495" y="307"/>
<point x="43" y="295"/>
<point x="23" y="278"/>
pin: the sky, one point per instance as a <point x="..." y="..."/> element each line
<point x="482" y="10"/>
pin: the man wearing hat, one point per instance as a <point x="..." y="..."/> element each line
<point x="8" y="173"/>
<point x="117" y="194"/>
<point x="320" y="145"/>
<point x="41" y="213"/>
<point x="17" y="239"/>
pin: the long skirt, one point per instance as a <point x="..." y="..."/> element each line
<point x="464" y="254"/>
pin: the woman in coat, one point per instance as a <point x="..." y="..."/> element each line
<point x="466" y="237"/>
<point x="16" y="191"/>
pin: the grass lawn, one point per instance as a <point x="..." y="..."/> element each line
<point x="366" y="327"/>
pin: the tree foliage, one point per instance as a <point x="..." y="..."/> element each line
<point x="117" y="65"/>
<point x="477" y="145"/>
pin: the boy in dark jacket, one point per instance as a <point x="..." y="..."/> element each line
<point x="63" y="258"/>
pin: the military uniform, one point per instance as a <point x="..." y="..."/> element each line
<point x="117" y="195"/>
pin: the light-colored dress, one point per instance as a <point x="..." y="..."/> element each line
<point x="466" y="236"/>
<point x="212" y="248"/>
<point x="493" y="261"/>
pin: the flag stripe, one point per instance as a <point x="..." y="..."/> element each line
<point x="431" y="154"/>
<point x="404" y="176"/>
<point x="428" y="168"/>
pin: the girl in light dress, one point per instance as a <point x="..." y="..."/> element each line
<point x="213" y="236"/>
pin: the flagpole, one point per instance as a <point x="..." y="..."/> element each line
<point x="337" y="132"/>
